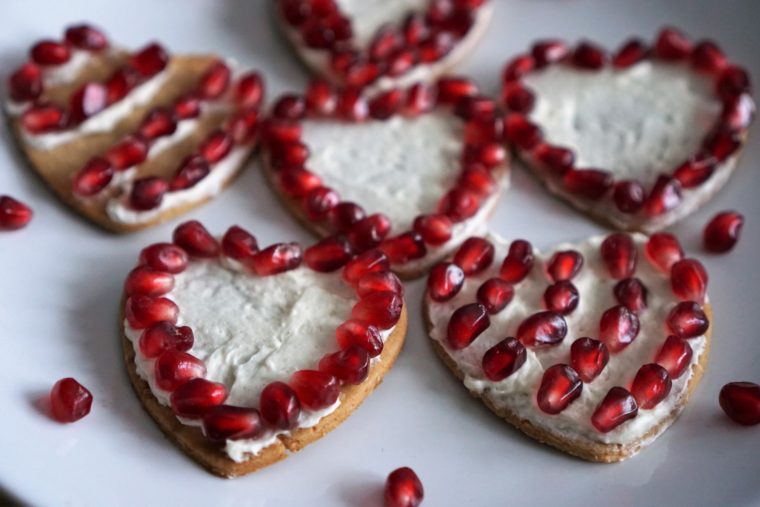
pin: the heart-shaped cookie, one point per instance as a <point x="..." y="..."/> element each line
<point x="639" y="138"/>
<point x="129" y="139"/>
<point x="383" y="43"/>
<point x="232" y="349"/>
<point x="411" y="171"/>
<point x="593" y="348"/>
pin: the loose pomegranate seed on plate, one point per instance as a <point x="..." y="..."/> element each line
<point x="518" y="262"/>
<point x="196" y="397"/>
<point x="277" y="258"/>
<point x="48" y="52"/>
<point x="663" y="250"/>
<point x="542" y="329"/>
<point x="175" y="367"/>
<point x="619" y="254"/>
<point x="196" y="240"/>
<point x="371" y="261"/>
<point x="689" y="279"/>
<point x="69" y="400"/>
<point x="722" y="232"/>
<point x="588" y="357"/>
<point x="741" y="402"/>
<point x="617" y="407"/>
<point x="561" y="297"/>
<point x="328" y="254"/>
<point x="687" y="320"/>
<point x="475" y="255"/>
<point x="503" y="359"/>
<point x="445" y="281"/>
<point x="495" y="294"/>
<point x="631" y="293"/>
<point x="357" y="332"/>
<point x="466" y="324"/>
<point x="279" y="406"/>
<point x="142" y="311"/>
<point x="13" y="214"/>
<point x="165" y="257"/>
<point x="651" y="385"/>
<point x="350" y="365"/>
<point x="403" y="489"/>
<point x="618" y="327"/>
<point x="163" y="336"/>
<point x="315" y="389"/>
<point x="227" y="422"/>
<point x="559" y="387"/>
<point x="148" y="281"/>
<point x="675" y="356"/>
<point x="382" y="309"/>
<point x="564" y="265"/>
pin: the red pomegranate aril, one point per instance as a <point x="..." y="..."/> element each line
<point x="227" y="422"/>
<point x="521" y="132"/>
<point x="589" y="56"/>
<point x="320" y="97"/>
<point x="474" y="255"/>
<point x="142" y="311"/>
<point x="707" y="57"/>
<point x="723" y="231"/>
<point x="41" y="118"/>
<point x="25" y="83"/>
<point x="445" y="281"/>
<point x="629" y="54"/>
<point x="561" y="297"/>
<point x="214" y="82"/>
<point x="589" y="183"/>
<point x="279" y="406"/>
<point x="675" y="356"/>
<point x="663" y="250"/>
<point x="191" y="170"/>
<point x="549" y="51"/>
<point x="277" y="258"/>
<point x="289" y="107"/>
<point x="352" y="105"/>
<point x="487" y="154"/>
<point x="194" y="398"/>
<point x="518" y="262"/>
<point x="239" y="244"/>
<point x="328" y="254"/>
<point x="632" y="294"/>
<point x="435" y="229"/>
<point x="280" y="131"/>
<point x="403" y="489"/>
<point x="687" y="320"/>
<point x="517" y="98"/>
<point x="216" y="146"/>
<point x="495" y="294"/>
<point x="372" y="261"/>
<point x="48" y="52"/>
<point x="130" y="152"/>
<point x="617" y="407"/>
<point x="665" y="196"/>
<point x="618" y="327"/>
<point x="503" y="359"/>
<point x="723" y="143"/>
<point x="150" y="60"/>
<point x="163" y="336"/>
<point x="381" y="309"/>
<point x="556" y="159"/>
<point x="243" y="126"/>
<point x="361" y="73"/>
<point x="542" y="329"/>
<point x="454" y="88"/>
<point x="459" y="204"/>
<point x="316" y="390"/>
<point x="13" y="214"/>
<point x="475" y="108"/>
<point x="738" y="112"/>
<point x="344" y="215"/>
<point x="196" y="240"/>
<point x="400" y="62"/>
<point x="164" y="257"/>
<point x="672" y="45"/>
<point x="560" y="386"/>
<point x="369" y="232"/>
<point x="588" y="357"/>
<point x="88" y="100"/>
<point x="319" y="201"/>
<point x="86" y="37"/>
<point x="466" y="324"/>
<point x="619" y="254"/>
<point x="689" y="279"/>
<point x="93" y="177"/>
<point x="175" y="367"/>
<point x="629" y="196"/>
<point x="415" y="28"/>
<point x="159" y="122"/>
<point x="420" y="98"/>
<point x="379" y="282"/>
<point x="733" y="81"/>
<point x="350" y="365"/>
<point x="741" y="402"/>
<point x="69" y="400"/>
<point x="695" y="171"/>
<point x="518" y="67"/>
<point x="249" y="91"/>
<point x="299" y="182"/>
<point x="435" y="47"/>
<point x="121" y="82"/>
<point x="148" y="281"/>
<point x="484" y="131"/>
<point x="651" y="385"/>
<point x="359" y="333"/>
<point x="404" y="247"/>
<point x="147" y="193"/>
<point x="564" y="265"/>
<point x="386" y="104"/>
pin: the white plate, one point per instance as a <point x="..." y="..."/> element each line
<point x="60" y="286"/>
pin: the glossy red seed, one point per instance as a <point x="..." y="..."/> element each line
<point x="629" y="196"/>
<point x="163" y="336"/>
<point x="175" y="367"/>
<point x="239" y="244"/>
<point x="319" y="201"/>
<point x="316" y="390"/>
<point x="741" y="402"/>
<point x="445" y="281"/>
<point x="671" y="45"/>
<point x="632" y="294"/>
<point x="88" y="100"/>
<point x="589" y="56"/>
<point x="561" y="297"/>
<point x="415" y="28"/>
<point x="148" y="281"/>
<point x="675" y="356"/>
<point x="495" y="294"/>
<point x="214" y="82"/>
<point x="619" y="254"/>
<point x="420" y="98"/>
<point x="289" y="107"/>
<point x="147" y="193"/>
<point x="25" y="83"/>
<point x="663" y="250"/>
<point x="555" y="159"/>
<point x="248" y="91"/>
<point x="485" y="131"/>
<point x="86" y="37"/>
<point x="121" y="82"/>
<point x="689" y="279"/>
<point x="194" y="398"/>
<point x="41" y="118"/>
<point x="386" y="104"/>
<point x="521" y="132"/>
<point x="518" y="67"/>
<point x="352" y="105"/>
<point x="687" y="320"/>
<point x="588" y="357"/>
<point x="707" y="57"/>
<point x="196" y="240"/>
<point x="280" y="131"/>
<point x="279" y="406"/>
<point x="216" y="146"/>
<point x="381" y="309"/>
<point x="629" y="54"/>
<point x="369" y="232"/>
<point x="141" y="311"/>
<point x="722" y="232"/>
<point x="487" y="154"/>
<point x="723" y="143"/>
<point x="404" y="247"/>
<point x="664" y="196"/>
<point x="49" y="52"/>
<point x="128" y="153"/>
<point x="589" y="183"/>
<point x="328" y="254"/>
<point x="564" y="265"/>
<point x="651" y="385"/>
<point x="371" y="261"/>
<point x="454" y="88"/>
<point x="435" y="46"/>
<point x="518" y="262"/>
<point x="695" y="171"/>
<point x="738" y="112"/>
<point x="549" y="51"/>
<point x="618" y="327"/>
<point x="475" y="108"/>
<point x="355" y="332"/>
<point x="277" y="258"/>
<point x="617" y="407"/>
<point x="159" y="122"/>
<point x="503" y="359"/>
<point x="288" y="155"/>
<point x="150" y="60"/>
<point x="560" y="386"/>
<point x="13" y="214"/>
<point x="350" y="365"/>
<point x="466" y="324"/>
<point x="542" y="329"/>
<point x="517" y="98"/>
<point x="344" y="214"/>
<point x="298" y="182"/>
<point x="379" y="282"/>
<point x="435" y="229"/>
<point x="190" y="171"/>
<point x="474" y="255"/>
<point x="403" y="489"/>
<point x="459" y="204"/>
<point x="227" y="422"/>
<point x="69" y="400"/>
<point x="164" y="257"/>
<point x="320" y="97"/>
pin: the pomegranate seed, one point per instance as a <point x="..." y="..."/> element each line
<point x="517" y="98"/>
<point x="142" y="311"/>
<point x="42" y="118"/>
<point x="435" y="47"/>
<point x="86" y="37"/>
<point x="672" y="45"/>
<point x="629" y="54"/>
<point x="175" y="367"/>
<point x="379" y="282"/>
<point x="518" y="67"/>
<point x="687" y="320"/>
<point x="216" y="146"/>
<point x="13" y="214"/>
<point x="415" y="28"/>
<point x="459" y="204"/>
<point x="723" y="143"/>
<point x="674" y="356"/>
<point x="722" y="232"/>
<point x="404" y="247"/>
<point x="420" y="98"/>
<point x="361" y="72"/>
<point x="487" y="131"/>
<point x="560" y="386"/>
<point x="299" y="182"/>
<point x="196" y="397"/>
<point x="629" y="196"/>
<point x="564" y="265"/>
<point x="316" y="390"/>
<point x="466" y="324"/>
<point x="707" y="57"/>
<point x="518" y="262"/>
<point x="556" y="159"/>
<point x="445" y="281"/>
<point x="475" y="255"/>
<point x="561" y="297"/>
<point x="386" y="104"/>
<point x="589" y="183"/>
<point x="249" y="91"/>
<point x="295" y="12"/>
<point x="49" y="52"/>
<point x="214" y="82"/>
<point x="651" y="385"/>
<point x="695" y="171"/>
<point x="345" y="214"/>
<point x="663" y="250"/>
<point x="588" y="357"/>
<point x="320" y="98"/>
<point x="159" y="122"/>
<point x="148" y="281"/>
<point x="191" y="170"/>
<point x="280" y="131"/>
<point x="618" y="327"/>
<point x="632" y="294"/>
<point x="196" y="240"/>
<point x="132" y="151"/>
<point x="738" y="112"/>
<point x="665" y="195"/>
<point x="319" y="201"/>
<point x="403" y="489"/>
<point x="454" y="88"/>
<point x="290" y="107"/>
<point x="521" y="132"/>
<point x="239" y="244"/>
<point x="475" y="108"/>
<point x="88" y="100"/>
<point x="400" y="62"/>
<point x="226" y="422"/>
<point x="350" y="365"/>
<point x="372" y="261"/>
<point x="25" y="83"/>
<point x="328" y="254"/>
<point x="382" y="309"/>
<point x="147" y="193"/>
<point x="741" y="402"/>
<point x="489" y="154"/>
<point x="150" y="60"/>
<point x="619" y="255"/>
<point x="688" y="279"/>
<point x="589" y="56"/>
<point x="352" y="105"/>
<point x="616" y="408"/>
<point x="121" y="82"/>
<point x="495" y="294"/>
<point x="164" y="257"/>
<point x="277" y="258"/>
<point x="163" y="336"/>
<point x="435" y="229"/>
<point x="355" y="332"/>
<point x="279" y="405"/>
<point x="369" y="232"/>
<point x="69" y="400"/>
<point x="549" y="51"/>
<point x="503" y="359"/>
<point x="542" y="329"/>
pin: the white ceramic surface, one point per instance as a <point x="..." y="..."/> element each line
<point x="60" y="284"/>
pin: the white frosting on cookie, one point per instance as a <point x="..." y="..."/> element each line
<point x="517" y="393"/>
<point x="367" y="16"/>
